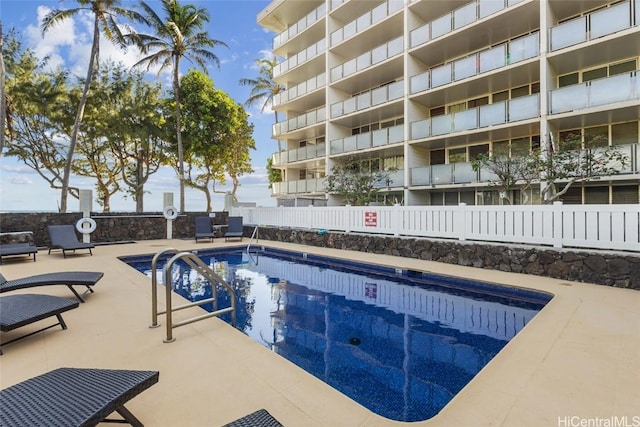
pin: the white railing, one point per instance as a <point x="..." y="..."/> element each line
<point x="304" y="23"/>
<point x="614" y="227"/>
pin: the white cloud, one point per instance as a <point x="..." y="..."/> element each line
<point x="21" y="180"/>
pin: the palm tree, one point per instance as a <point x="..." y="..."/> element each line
<point x="104" y="22"/>
<point x="178" y="35"/>
<point x="263" y="88"/>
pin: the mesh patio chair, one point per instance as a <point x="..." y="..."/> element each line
<point x="204" y="229"/>
<point x="21" y="310"/>
<point x="64" y="237"/>
<point x="67" y="278"/>
<point x="18" y="249"/>
<point x="74" y="397"/>
<point x="235" y="228"/>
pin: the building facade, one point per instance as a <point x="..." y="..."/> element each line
<point x="421" y="87"/>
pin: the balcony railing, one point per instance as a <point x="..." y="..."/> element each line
<point x="484" y="61"/>
<point x="608" y="90"/>
<point x="461" y="173"/>
<point x="315" y="185"/>
<point x="498" y="113"/>
<point x="362" y="141"/>
<point x="594" y="25"/>
<point x="312" y="151"/>
<point x="461" y="17"/>
<point x="368" y="59"/>
<point x="308" y="119"/>
<point x="368" y="99"/>
<point x="300" y="89"/>
<point x="396" y="179"/>
<point x="300" y="58"/>
<point x="304" y="23"/>
<point x="372" y="17"/>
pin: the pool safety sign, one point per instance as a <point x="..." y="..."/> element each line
<point x="371" y="219"/>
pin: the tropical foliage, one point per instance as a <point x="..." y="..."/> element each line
<point x="356" y="182"/>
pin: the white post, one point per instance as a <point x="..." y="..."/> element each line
<point x="460" y="221"/>
<point x="86" y="200"/>
<point x="167" y="199"/>
<point x="557" y="224"/>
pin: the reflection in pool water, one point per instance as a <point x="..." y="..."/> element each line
<point x="400" y="346"/>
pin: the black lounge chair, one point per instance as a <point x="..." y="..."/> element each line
<point x="18" y="249"/>
<point x="64" y="237"/>
<point x="67" y="278"/>
<point x="20" y="310"/>
<point x="204" y="229"/>
<point x="260" y="418"/>
<point x="235" y="228"/>
<point x="73" y="397"/>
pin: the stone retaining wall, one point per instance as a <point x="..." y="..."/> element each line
<point x="606" y="268"/>
<point x="611" y="269"/>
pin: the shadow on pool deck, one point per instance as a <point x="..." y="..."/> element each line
<point x="580" y="357"/>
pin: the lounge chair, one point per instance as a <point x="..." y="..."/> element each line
<point x="64" y="237"/>
<point x="23" y="309"/>
<point x="235" y="228"/>
<point x="67" y="278"/>
<point x="204" y="229"/>
<point x="18" y="249"/>
<point x="73" y="397"/>
<point x="260" y="418"/>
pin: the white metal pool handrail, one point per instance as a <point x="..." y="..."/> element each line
<point x="213" y="278"/>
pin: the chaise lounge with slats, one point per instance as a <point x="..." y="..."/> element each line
<point x="21" y="310"/>
<point x="64" y="237"/>
<point x="74" y="397"/>
<point x="18" y="249"/>
<point x="67" y="278"/>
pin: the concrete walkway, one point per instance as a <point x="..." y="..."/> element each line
<point x="577" y="361"/>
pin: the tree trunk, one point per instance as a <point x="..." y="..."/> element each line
<point x="176" y="95"/>
<point x="76" y="125"/>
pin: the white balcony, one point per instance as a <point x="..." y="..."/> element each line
<point x="498" y="113"/>
<point x="300" y="58"/>
<point x="609" y="90"/>
<point x="368" y="59"/>
<point x="369" y="19"/>
<point x="484" y="61"/>
<point x="315" y="185"/>
<point x="304" y="23"/>
<point x="313" y="151"/>
<point x="377" y="138"/>
<point x="368" y="99"/>
<point x="300" y="90"/>
<point x="307" y="119"/>
<point x="594" y="25"/>
<point x="461" y="17"/>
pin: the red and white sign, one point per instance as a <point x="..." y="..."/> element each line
<point x="371" y="219"/>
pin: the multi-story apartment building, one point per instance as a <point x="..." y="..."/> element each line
<point x="423" y="86"/>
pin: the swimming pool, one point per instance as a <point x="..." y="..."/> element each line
<point x="401" y="343"/>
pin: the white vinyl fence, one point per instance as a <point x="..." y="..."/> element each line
<point x="615" y="227"/>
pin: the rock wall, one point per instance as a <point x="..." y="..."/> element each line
<point x="605" y="268"/>
<point x="611" y="269"/>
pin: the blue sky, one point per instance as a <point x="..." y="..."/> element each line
<point x="232" y="22"/>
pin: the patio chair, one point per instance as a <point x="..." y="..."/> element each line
<point x="20" y="310"/>
<point x="234" y="229"/>
<point x="64" y="237"/>
<point x="18" y="249"/>
<point x="67" y="278"/>
<point x="260" y="418"/>
<point x="204" y="229"/>
<point x="74" y="397"/>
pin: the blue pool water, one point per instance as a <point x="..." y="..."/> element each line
<point x="401" y="343"/>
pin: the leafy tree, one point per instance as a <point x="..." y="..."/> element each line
<point x="178" y="35"/>
<point x="576" y="160"/>
<point x="134" y="128"/>
<point x="104" y="22"/>
<point x="511" y="172"/>
<point x="239" y="142"/>
<point x="356" y="182"/>
<point x="41" y="119"/>
<point x="3" y="99"/>
<point x="274" y="175"/>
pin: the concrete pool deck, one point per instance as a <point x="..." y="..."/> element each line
<point x="577" y="361"/>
